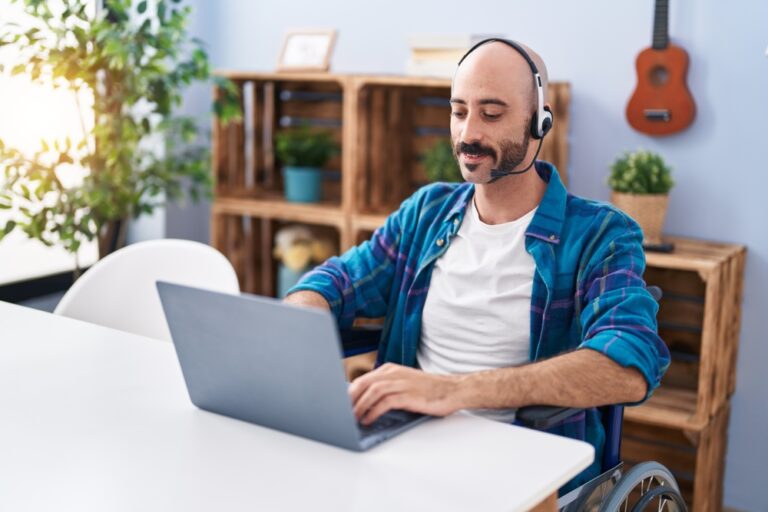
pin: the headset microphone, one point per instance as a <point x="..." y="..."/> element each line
<point x="497" y="174"/>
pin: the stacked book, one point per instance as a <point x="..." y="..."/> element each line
<point x="438" y="55"/>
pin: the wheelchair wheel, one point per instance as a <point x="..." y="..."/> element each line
<point x="646" y="485"/>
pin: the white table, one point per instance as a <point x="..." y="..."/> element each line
<point x="96" y="419"/>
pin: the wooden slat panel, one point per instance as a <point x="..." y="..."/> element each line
<point x="361" y="156"/>
<point x="710" y="343"/>
<point x="235" y="245"/>
<point x="220" y="164"/>
<point x="268" y="268"/>
<point x="269" y="123"/>
<point x="682" y="374"/>
<point x="377" y="150"/>
<point x="257" y="136"/>
<point x="395" y="189"/>
<point x="432" y="116"/>
<point x="734" y="322"/>
<point x="681" y="312"/>
<point x="555" y="146"/>
<point x="251" y="255"/>
<point x="710" y="463"/>
<point x="634" y="451"/>
<point x="676" y="282"/>
<point x="312" y="109"/>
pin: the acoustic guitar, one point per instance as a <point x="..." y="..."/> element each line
<point x="661" y="103"/>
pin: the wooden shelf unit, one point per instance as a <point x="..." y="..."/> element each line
<point x="684" y="424"/>
<point x="382" y="122"/>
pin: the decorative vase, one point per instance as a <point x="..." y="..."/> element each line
<point x="287" y="278"/>
<point x="648" y="210"/>
<point x="302" y="184"/>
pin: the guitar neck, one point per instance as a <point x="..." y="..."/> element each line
<point x="661" y="25"/>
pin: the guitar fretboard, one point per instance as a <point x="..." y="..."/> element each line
<point x="661" y="25"/>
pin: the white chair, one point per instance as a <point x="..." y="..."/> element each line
<point x="119" y="291"/>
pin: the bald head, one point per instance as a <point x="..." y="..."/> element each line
<point x="496" y="63"/>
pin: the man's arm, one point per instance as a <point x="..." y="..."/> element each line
<point x="307" y="298"/>
<point x="592" y="381"/>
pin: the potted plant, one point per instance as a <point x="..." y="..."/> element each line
<point x="297" y="249"/>
<point x="303" y="152"/>
<point x="130" y="63"/>
<point x="641" y="182"/>
<point x="440" y="162"/>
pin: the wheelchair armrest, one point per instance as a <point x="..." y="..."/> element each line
<point x="359" y="340"/>
<point x="543" y="416"/>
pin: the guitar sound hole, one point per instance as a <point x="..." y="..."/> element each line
<point x="659" y="75"/>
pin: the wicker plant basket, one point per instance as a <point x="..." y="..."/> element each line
<point x="649" y="210"/>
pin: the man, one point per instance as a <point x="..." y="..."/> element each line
<point x="503" y="291"/>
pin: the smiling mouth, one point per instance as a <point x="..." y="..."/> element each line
<point x="473" y="157"/>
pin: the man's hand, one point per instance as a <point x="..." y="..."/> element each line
<point x="392" y="386"/>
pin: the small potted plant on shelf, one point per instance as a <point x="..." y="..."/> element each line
<point x="297" y="249"/>
<point x="440" y="162"/>
<point x="303" y="152"/>
<point x="641" y="182"/>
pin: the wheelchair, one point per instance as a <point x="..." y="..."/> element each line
<point x="645" y="486"/>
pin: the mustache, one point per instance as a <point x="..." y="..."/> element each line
<point x="475" y="148"/>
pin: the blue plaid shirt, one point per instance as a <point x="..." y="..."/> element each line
<point x="588" y="290"/>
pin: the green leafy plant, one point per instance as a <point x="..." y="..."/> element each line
<point x="640" y="172"/>
<point x="303" y="147"/>
<point x="133" y="61"/>
<point x="440" y="162"/>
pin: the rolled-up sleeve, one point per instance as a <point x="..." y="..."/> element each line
<point x="358" y="282"/>
<point x="619" y="314"/>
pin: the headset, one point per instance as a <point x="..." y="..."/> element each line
<point x="541" y="120"/>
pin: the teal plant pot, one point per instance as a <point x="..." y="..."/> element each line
<point x="302" y="184"/>
<point x="287" y="278"/>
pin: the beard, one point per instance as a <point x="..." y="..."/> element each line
<point x="510" y="155"/>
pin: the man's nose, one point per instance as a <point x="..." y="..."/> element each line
<point x="472" y="130"/>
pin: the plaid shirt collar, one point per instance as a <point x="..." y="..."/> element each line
<point x="548" y="221"/>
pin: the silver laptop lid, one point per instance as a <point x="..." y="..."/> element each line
<point x="262" y="361"/>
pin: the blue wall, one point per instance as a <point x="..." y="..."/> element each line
<point x="718" y="163"/>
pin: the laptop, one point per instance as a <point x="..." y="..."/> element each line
<point x="265" y="362"/>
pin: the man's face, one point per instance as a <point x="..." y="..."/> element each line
<point x="490" y="115"/>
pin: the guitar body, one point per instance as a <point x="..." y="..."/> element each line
<point x="661" y="103"/>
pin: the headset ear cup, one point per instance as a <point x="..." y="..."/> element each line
<point x="535" y="126"/>
<point x="547" y="122"/>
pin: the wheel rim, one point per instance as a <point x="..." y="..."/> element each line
<point x="661" y="499"/>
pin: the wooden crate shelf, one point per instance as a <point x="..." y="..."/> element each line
<point x="684" y="424"/>
<point x="699" y="319"/>
<point x="695" y="457"/>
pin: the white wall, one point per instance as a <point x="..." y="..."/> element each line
<point x="719" y="162"/>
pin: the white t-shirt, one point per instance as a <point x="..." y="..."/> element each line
<point x="477" y="313"/>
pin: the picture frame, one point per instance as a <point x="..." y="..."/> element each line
<point x="307" y="50"/>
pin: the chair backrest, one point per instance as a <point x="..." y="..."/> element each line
<point x="119" y="291"/>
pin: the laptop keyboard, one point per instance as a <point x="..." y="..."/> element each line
<point x="388" y="421"/>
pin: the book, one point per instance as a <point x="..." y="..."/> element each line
<point x="450" y="54"/>
<point x="433" y="68"/>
